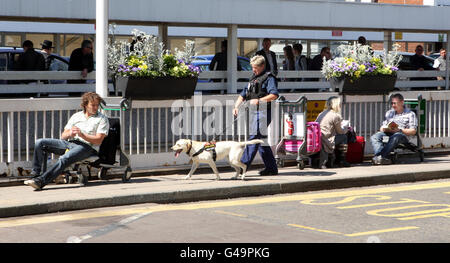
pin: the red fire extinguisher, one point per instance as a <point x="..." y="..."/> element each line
<point x="290" y="124"/>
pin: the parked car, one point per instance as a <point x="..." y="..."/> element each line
<point x="405" y="63"/>
<point x="10" y="55"/>
<point x="435" y="55"/>
<point x="203" y="62"/>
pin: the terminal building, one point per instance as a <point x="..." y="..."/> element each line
<point x="68" y="36"/>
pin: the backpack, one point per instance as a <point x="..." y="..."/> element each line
<point x="109" y="146"/>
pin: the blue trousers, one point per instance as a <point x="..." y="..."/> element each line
<point x="382" y="149"/>
<point x="70" y="153"/>
<point x="259" y="121"/>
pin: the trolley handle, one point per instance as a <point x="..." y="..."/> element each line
<point x="124" y="105"/>
<point x="283" y="100"/>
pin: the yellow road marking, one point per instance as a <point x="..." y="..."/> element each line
<point x="217" y="204"/>
<point x="315" y="229"/>
<point x="382" y="231"/>
<point x="373" y="232"/>
<point x="403" y="200"/>
<point x="229" y="213"/>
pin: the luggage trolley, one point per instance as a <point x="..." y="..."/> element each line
<point x="296" y="138"/>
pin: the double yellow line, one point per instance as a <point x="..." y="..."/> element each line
<point x="216" y="204"/>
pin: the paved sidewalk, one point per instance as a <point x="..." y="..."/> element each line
<point x="170" y="188"/>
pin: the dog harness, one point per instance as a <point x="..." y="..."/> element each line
<point x="209" y="146"/>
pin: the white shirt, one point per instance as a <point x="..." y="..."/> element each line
<point x="92" y="125"/>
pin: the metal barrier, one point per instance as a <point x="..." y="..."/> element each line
<point x="151" y="128"/>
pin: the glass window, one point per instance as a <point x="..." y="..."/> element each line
<point x="250" y="48"/>
<point x="13" y="41"/>
<point x="69" y="43"/>
<point x="205" y="46"/>
<point x="38" y="39"/>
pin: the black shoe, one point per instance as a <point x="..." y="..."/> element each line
<point x="345" y="164"/>
<point x="267" y="172"/>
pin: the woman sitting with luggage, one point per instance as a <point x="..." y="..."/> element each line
<point x="334" y="138"/>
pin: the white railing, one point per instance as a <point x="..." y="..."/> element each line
<point x="152" y="127"/>
<point x="53" y="82"/>
<point x="289" y="80"/>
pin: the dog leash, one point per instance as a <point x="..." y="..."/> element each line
<point x="212" y="144"/>
<point x="234" y="120"/>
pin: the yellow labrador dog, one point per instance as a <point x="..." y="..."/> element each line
<point x="201" y="152"/>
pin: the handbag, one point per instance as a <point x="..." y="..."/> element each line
<point x="351" y="135"/>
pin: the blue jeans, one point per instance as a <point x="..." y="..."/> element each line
<point x="77" y="151"/>
<point x="382" y="149"/>
<point x="259" y="120"/>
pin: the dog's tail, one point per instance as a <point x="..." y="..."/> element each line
<point x="251" y="142"/>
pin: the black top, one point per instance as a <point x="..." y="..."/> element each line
<point x="79" y="62"/>
<point x="274" y="59"/>
<point x="30" y="61"/>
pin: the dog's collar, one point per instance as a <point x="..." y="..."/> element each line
<point x="190" y="148"/>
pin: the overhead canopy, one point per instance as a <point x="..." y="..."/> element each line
<point x="243" y="13"/>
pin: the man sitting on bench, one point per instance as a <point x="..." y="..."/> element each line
<point x="81" y="139"/>
<point x="399" y="123"/>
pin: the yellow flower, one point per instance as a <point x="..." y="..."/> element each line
<point x="143" y="66"/>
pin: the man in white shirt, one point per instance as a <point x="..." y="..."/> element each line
<point x="80" y="139"/>
<point x="440" y="63"/>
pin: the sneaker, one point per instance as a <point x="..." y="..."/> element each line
<point x="267" y="172"/>
<point x="376" y="160"/>
<point x="33" y="184"/>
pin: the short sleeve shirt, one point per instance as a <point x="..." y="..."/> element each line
<point x="92" y="125"/>
<point x="405" y="120"/>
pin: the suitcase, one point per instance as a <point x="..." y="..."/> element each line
<point x="314" y="137"/>
<point x="292" y="146"/>
<point x="355" y="152"/>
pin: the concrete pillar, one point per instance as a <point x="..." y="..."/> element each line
<point x="232" y="60"/>
<point x="101" y="41"/>
<point x="163" y="35"/>
<point x="387" y="44"/>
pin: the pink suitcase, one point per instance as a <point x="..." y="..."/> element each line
<point x="314" y="137"/>
<point x="292" y="145"/>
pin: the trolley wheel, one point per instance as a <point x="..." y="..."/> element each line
<point x="82" y="180"/>
<point x="67" y="178"/>
<point x="127" y="175"/>
<point x="394" y="158"/>
<point x="301" y="165"/>
<point x="280" y="163"/>
<point x="102" y="173"/>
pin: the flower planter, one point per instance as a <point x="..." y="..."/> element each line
<point x="366" y="85"/>
<point x="159" y="88"/>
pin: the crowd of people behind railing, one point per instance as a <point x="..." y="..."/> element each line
<point x="295" y="60"/>
<point x="81" y="59"/>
